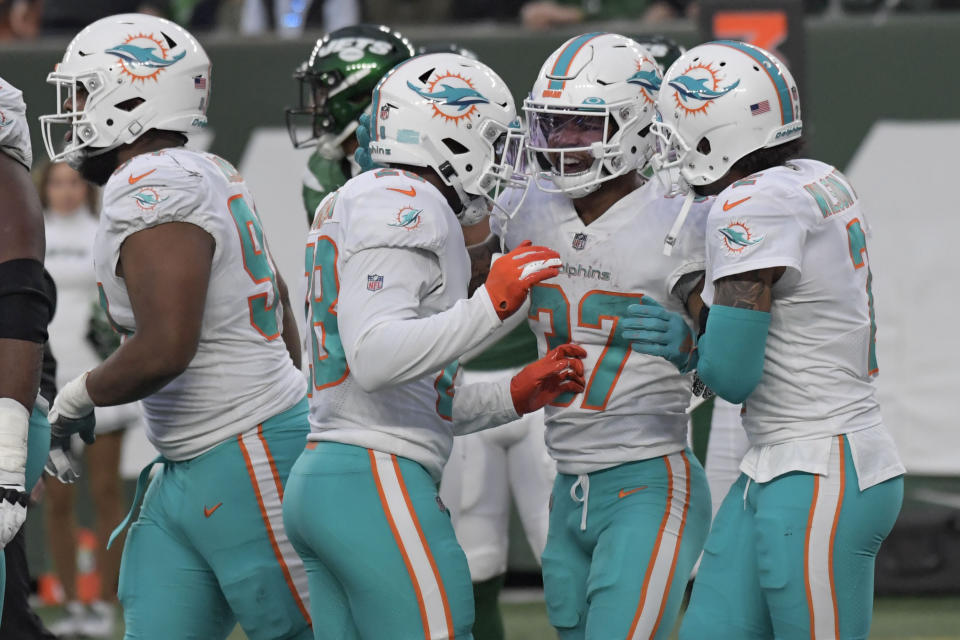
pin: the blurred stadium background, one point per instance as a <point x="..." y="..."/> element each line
<point x="881" y="101"/>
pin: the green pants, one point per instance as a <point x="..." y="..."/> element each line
<point x="378" y="546"/>
<point x="794" y="557"/>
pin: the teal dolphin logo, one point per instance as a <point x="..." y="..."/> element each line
<point x="408" y="218"/>
<point x="142" y="56"/>
<point x="737" y="237"/>
<point x="689" y="88"/>
<point x="649" y="80"/>
<point x="148" y="198"/>
<point x="451" y="96"/>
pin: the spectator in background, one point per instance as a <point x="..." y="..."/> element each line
<point x="288" y="18"/>
<point x="20" y="19"/>
<point x="70" y="16"/>
<point x="80" y="337"/>
<point x="544" y="14"/>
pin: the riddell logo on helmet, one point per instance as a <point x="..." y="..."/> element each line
<point x="143" y="56"/>
<point x="551" y="93"/>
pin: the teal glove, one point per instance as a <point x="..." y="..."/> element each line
<point x="653" y="330"/>
<point x="362" y="154"/>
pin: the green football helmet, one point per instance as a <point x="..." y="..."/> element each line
<point x="336" y="83"/>
<point x="664" y="49"/>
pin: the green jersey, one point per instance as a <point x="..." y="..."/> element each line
<point x="517" y="348"/>
<point x="321" y="177"/>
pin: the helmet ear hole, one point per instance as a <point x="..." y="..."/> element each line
<point x="703" y="147"/>
<point x="456" y="147"/>
<point x="129" y="105"/>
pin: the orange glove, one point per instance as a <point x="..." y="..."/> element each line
<point x="540" y="382"/>
<point x="512" y="275"/>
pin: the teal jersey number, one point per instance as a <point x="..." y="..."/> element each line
<point x="264" y="307"/>
<point x="595" y="307"/>
<point x="445" y="386"/>
<point x="858" y="255"/>
<point x="550" y="299"/>
<point x="328" y="366"/>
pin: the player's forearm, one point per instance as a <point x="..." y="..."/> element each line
<point x="481" y="255"/>
<point x="482" y="405"/>
<point x="290" y="334"/>
<point x="136" y="370"/>
<point x="394" y="351"/>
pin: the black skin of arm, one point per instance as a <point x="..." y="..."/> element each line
<point x="291" y="335"/>
<point x="480" y="257"/>
<point x="21" y="237"/>
<point x="167" y="271"/>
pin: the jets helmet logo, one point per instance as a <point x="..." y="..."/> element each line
<point x="452" y="96"/>
<point x="697" y="87"/>
<point x="144" y="56"/>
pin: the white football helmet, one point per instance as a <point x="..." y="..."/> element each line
<point x="589" y="113"/>
<point x="139" y="72"/>
<point x="456" y="116"/>
<point x="721" y="101"/>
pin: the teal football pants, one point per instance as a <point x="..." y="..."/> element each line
<point x="209" y="548"/>
<point x="378" y="546"/>
<point x="38" y="446"/>
<point x="621" y="546"/>
<point x="794" y="557"/>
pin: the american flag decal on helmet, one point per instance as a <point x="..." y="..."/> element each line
<point x="760" y="107"/>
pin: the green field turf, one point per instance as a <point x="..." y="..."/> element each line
<point x="915" y="618"/>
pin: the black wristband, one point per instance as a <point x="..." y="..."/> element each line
<point x="25" y="303"/>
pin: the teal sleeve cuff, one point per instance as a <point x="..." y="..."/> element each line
<point x="732" y="351"/>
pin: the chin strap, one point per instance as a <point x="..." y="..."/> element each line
<point x="671" y="239"/>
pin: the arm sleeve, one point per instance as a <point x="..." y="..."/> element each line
<point x="732" y="351"/>
<point x="386" y="338"/>
<point x="482" y="405"/>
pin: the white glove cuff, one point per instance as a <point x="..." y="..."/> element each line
<point x="14" y="424"/>
<point x="73" y="401"/>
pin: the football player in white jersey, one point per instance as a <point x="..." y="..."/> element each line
<point x="26" y="305"/>
<point x="389" y="317"/>
<point x="211" y="346"/>
<point x="790" y="331"/>
<point x="630" y="505"/>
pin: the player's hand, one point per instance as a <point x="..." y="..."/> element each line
<point x="539" y="383"/>
<point x="512" y="275"/>
<point x="653" y="330"/>
<point x="71" y="413"/>
<point x="362" y="154"/>
<point x="13" y="511"/>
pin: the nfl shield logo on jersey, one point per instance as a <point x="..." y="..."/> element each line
<point x="579" y="241"/>
<point x="374" y="282"/>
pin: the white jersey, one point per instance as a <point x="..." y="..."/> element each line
<point x="634" y="405"/>
<point x="820" y="357"/>
<point x="387" y="278"/>
<point x="241" y="374"/>
<point x="14" y="132"/>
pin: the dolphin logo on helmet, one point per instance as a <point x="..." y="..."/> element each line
<point x="649" y="80"/>
<point x="461" y="97"/>
<point x="695" y="89"/>
<point x="142" y="56"/>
